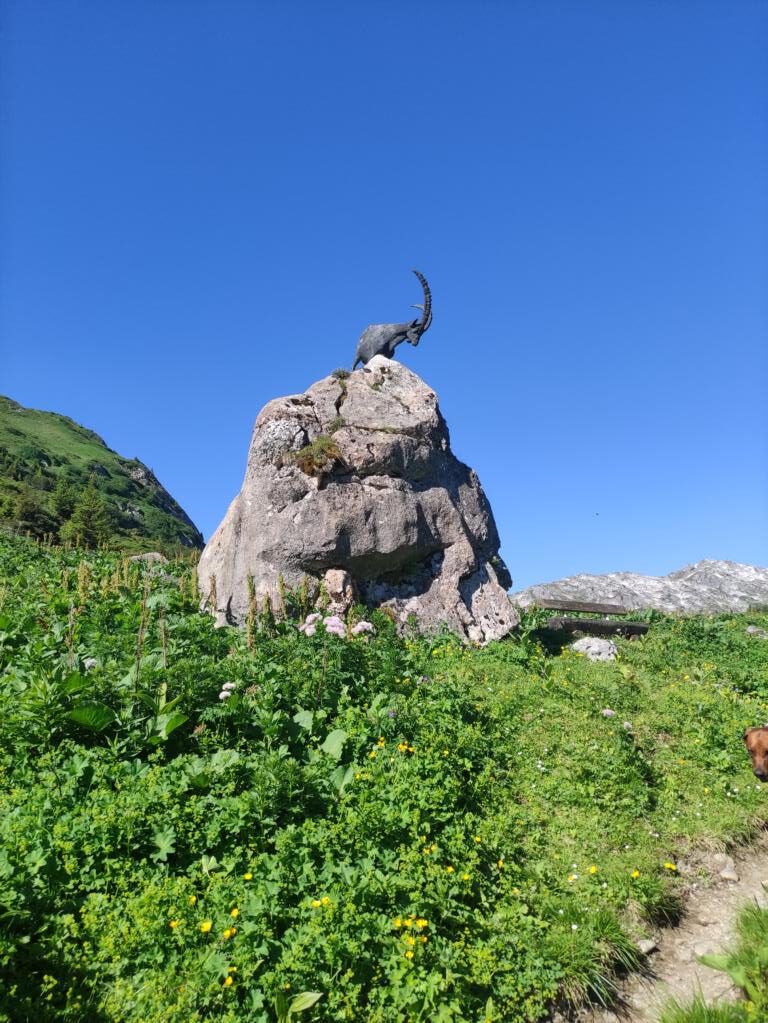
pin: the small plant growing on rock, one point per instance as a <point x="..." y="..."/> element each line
<point x="318" y="457"/>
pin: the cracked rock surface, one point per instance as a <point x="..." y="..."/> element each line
<point x="357" y="475"/>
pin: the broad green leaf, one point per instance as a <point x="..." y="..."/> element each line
<point x="165" y="840"/>
<point x="209" y="863"/>
<point x="304" y="719"/>
<point x="202" y="780"/>
<point x="334" y="743"/>
<point x="74" y="682"/>
<point x="341" y="777"/>
<point x="168" y="723"/>
<point x="170" y="704"/>
<point x="304" y="1001"/>
<point x="93" y="716"/>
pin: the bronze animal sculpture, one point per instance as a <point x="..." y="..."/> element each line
<point x="383" y="338"/>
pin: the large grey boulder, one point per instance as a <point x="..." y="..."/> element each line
<point x="708" y="587"/>
<point x="355" y="479"/>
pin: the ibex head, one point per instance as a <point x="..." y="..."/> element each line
<point x="417" y="327"/>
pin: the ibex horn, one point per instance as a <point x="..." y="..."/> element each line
<point x="426" y="319"/>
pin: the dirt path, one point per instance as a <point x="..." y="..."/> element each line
<point x="712" y="906"/>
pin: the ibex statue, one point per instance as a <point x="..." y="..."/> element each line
<point x="383" y="338"/>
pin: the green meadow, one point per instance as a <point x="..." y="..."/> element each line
<point x="367" y="828"/>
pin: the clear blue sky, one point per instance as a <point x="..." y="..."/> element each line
<point x="203" y="203"/>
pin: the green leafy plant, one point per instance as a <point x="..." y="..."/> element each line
<point x="300" y="1003"/>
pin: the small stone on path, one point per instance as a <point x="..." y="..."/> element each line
<point x="725" y="867"/>
<point x="595" y="649"/>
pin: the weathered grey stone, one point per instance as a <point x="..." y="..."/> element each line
<point x="647" y="945"/>
<point x="725" y="867"/>
<point x="341" y="590"/>
<point x="756" y="631"/>
<point x="708" y="587"/>
<point x="357" y="475"/>
<point x="596" y="649"/>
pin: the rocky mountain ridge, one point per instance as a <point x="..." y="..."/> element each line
<point x="706" y="587"/>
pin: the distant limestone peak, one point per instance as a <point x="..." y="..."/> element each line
<point x="353" y="485"/>
<point x="707" y="587"/>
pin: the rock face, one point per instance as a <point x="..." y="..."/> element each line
<point x="353" y="483"/>
<point x="708" y="587"/>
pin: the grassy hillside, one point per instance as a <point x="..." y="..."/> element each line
<point x="48" y="462"/>
<point x="411" y="829"/>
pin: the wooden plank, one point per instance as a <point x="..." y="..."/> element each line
<point x="598" y="626"/>
<point x="582" y="605"/>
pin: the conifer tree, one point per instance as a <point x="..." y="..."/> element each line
<point x="64" y="498"/>
<point x="90" y="523"/>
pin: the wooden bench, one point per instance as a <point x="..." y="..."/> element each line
<point x="592" y="626"/>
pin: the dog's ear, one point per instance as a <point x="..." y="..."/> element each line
<point x="745" y="736"/>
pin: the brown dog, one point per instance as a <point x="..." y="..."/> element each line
<point x="756" y="740"/>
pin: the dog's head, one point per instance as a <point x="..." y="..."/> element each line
<point x="756" y="740"/>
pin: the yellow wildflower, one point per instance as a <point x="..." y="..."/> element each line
<point x="234" y="913"/>
<point x="593" y="869"/>
<point x="670" y="866"/>
<point x="380" y="741"/>
<point x="325" y="900"/>
<point x="635" y="874"/>
<point x="478" y="838"/>
<point x="248" y="876"/>
<point x="316" y="903"/>
<point x="229" y="981"/>
<point x="397" y="922"/>
<point x="205" y="926"/>
<point x="409" y="939"/>
<point x="421" y="923"/>
<point x="500" y="863"/>
<point x="423" y="939"/>
<point x="372" y="754"/>
<point x="173" y="924"/>
<point x="227" y="934"/>
<point x="192" y="900"/>
<point x="409" y="954"/>
<point x="449" y="869"/>
<point x="465" y="877"/>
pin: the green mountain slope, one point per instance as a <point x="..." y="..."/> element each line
<point x="58" y="478"/>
